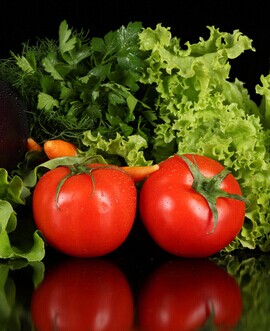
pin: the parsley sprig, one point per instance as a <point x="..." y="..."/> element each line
<point x="77" y="84"/>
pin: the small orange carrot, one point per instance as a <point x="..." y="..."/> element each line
<point x="59" y="148"/>
<point x="32" y="145"/>
<point x="139" y="173"/>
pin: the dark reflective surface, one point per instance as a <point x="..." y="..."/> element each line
<point x="187" y="294"/>
<point x="83" y="295"/>
<point x="136" y="289"/>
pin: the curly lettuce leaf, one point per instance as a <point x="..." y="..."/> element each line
<point x="131" y="149"/>
<point x="264" y="91"/>
<point x="202" y="111"/>
<point x="12" y="189"/>
<point x="13" y="193"/>
<point x="33" y="253"/>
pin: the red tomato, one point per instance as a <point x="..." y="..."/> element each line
<point x="83" y="294"/>
<point x="93" y="213"/>
<point x="179" y="219"/>
<point x="185" y="294"/>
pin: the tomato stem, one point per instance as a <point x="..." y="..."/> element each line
<point x="76" y="169"/>
<point x="210" y="187"/>
<point x="83" y="167"/>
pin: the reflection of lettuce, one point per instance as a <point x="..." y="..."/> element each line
<point x="252" y="274"/>
<point x="14" y="313"/>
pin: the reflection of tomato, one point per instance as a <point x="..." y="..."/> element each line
<point x="81" y="295"/>
<point x="184" y="294"/>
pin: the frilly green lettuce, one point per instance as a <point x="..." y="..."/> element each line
<point x="264" y="91"/>
<point x="13" y="193"/>
<point x="130" y="149"/>
<point x="202" y="111"/>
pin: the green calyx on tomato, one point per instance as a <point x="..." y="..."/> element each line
<point x="81" y="168"/>
<point x="210" y="187"/>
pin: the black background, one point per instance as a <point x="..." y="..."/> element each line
<point x="22" y="21"/>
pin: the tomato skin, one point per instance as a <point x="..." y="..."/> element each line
<point x="179" y="219"/>
<point x="184" y="294"/>
<point x="83" y="294"/>
<point x="93" y="216"/>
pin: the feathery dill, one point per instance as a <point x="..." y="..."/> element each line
<point x="79" y="83"/>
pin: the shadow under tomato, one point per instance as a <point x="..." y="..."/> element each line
<point x="83" y="294"/>
<point x="186" y="294"/>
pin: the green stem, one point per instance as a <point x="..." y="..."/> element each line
<point x="210" y="188"/>
<point x="76" y="169"/>
<point x="83" y="168"/>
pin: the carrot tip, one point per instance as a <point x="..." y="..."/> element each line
<point x="32" y="145"/>
<point x="59" y="148"/>
<point x="139" y="173"/>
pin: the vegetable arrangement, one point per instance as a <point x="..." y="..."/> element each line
<point x="135" y="98"/>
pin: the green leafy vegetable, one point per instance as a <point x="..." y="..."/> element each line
<point x="13" y="193"/>
<point x="138" y="96"/>
<point x="81" y="83"/>
<point x="264" y="91"/>
<point x="128" y="148"/>
<point x="201" y="111"/>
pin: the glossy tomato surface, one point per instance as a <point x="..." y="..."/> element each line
<point x="91" y="216"/>
<point x="186" y="294"/>
<point x="82" y="295"/>
<point x="179" y="219"/>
